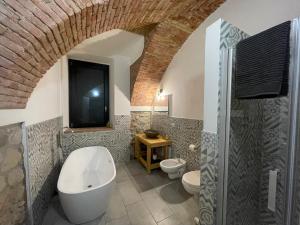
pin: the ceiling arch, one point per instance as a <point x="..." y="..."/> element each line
<point x="34" y="34"/>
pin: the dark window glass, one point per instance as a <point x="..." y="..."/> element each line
<point x="88" y="94"/>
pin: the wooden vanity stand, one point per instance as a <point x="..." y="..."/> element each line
<point x="150" y="143"/>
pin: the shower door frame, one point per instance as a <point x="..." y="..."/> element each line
<point x="227" y="57"/>
<point x="294" y="119"/>
<point x="224" y="133"/>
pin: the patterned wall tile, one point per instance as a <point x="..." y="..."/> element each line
<point x="182" y="133"/>
<point x="244" y="157"/>
<point x="274" y="156"/>
<point x="208" y="182"/>
<point x="258" y="143"/>
<point x="44" y="163"/>
<point x="244" y="162"/>
<point x="229" y="37"/>
<point x="207" y="203"/>
<point x="117" y="141"/>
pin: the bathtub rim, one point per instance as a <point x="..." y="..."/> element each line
<point x="93" y="188"/>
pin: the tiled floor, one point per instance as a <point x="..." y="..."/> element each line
<point x="140" y="199"/>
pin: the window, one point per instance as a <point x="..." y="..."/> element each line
<point x="88" y="94"/>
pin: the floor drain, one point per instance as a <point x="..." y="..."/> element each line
<point x="89" y="186"/>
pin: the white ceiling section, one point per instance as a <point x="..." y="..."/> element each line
<point x="114" y="42"/>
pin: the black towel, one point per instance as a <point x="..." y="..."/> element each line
<point x="262" y="64"/>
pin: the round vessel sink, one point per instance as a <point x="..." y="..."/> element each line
<point x="151" y="133"/>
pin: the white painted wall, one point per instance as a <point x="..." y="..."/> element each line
<point x="121" y="77"/>
<point x="184" y="77"/>
<point x="43" y="104"/>
<point x="211" y="81"/>
<point x="65" y="90"/>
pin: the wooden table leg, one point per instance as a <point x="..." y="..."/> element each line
<point x="166" y="152"/>
<point x="148" y="159"/>
<point x="137" y="148"/>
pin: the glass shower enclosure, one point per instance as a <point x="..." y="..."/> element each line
<point x="259" y="160"/>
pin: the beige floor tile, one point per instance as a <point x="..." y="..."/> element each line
<point x="116" y="208"/>
<point x="54" y="217"/>
<point x="139" y="214"/>
<point x="128" y="192"/>
<point x="173" y="193"/>
<point x="141" y="183"/>
<point x="183" y="213"/>
<point x="193" y="205"/>
<point x="172" y="220"/>
<point x="158" y="178"/>
<point x="121" y="221"/>
<point x="158" y="208"/>
<point x="134" y="168"/>
<point x="122" y="174"/>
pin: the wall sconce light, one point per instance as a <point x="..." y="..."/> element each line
<point x="160" y="94"/>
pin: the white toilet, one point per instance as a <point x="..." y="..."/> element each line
<point x="191" y="182"/>
<point x="173" y="167"/>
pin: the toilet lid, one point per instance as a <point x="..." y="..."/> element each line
<point x="192" y="178"/>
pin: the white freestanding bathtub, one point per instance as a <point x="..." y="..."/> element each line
<point x="85" y="183"/>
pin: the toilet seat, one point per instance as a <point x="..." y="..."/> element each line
<point x="192" y="178"/>
<point x="191" y="181"/>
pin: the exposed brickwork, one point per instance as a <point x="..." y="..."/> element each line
<point x="34" y="34"/>
<point x="134" y="70"/>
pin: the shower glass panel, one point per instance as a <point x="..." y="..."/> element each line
<point x="257" y="143"/>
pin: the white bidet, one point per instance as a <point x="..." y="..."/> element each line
<point x="173" y="167"/>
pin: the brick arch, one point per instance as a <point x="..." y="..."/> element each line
<point x="34" y="34"/>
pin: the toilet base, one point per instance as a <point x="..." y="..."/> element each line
<point x="173" y="176"/>
<point x="177" y="174"/>
<point x="190" y="190"/>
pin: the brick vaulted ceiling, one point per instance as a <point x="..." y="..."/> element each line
<point x="34" y="34"/>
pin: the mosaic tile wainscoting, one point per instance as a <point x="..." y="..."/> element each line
<point x="44" y="156"/>
<point x="117" y="140"/>
<point x="208" y="182"/>
<point x="182" y="132"/>
<point x="12" y="176"/>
